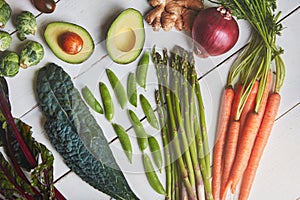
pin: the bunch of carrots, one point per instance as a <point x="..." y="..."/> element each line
<point x="250" y="101"/>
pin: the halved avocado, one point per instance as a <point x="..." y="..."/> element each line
<point x="52" y="34"/>
<point x="126" y="36"/>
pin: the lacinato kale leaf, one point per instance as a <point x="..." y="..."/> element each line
<point x="75" y="134"/>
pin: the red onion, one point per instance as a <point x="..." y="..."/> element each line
<point x="214" y="32"/>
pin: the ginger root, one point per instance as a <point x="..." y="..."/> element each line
<point x="167" y="14"/>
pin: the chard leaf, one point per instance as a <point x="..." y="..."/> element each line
<point x="11" y="183"/>
<point x="42" y="175"/>
<point x="26" y="133"/>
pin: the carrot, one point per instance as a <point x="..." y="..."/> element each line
<point x="231" y="137"/>
<point x="223" y="120"/>
<point x="250" y="103"/>
<point x="230" y="151"/>
<point x="259" y="145"/>
<point x="235" y="104"/>
<point x="247" y="139"/>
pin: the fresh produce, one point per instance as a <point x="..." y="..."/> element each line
<point x="240" y="144"/>
<point x="117" y="87"/>
<point x="107" y="101"/>
<point x="183" y="126"/>
<point x="142" y="70"/>
<point x="167" y="14"/>
<point x="91" y="100"/>
<point x="131" y="89"/>
<point x="152" y="176"/>
<point x="124" y="140"/>
<point x="45" y="6"/>
<point x="140" y="132"/>
<point x="126" y="36"/>
<point x="9" y="64"/>
<point x="5" y="13"/>
<point x="25" y="157"/>
<point x="259" y="145"/>
<point x="214" y="32"/>
<point x="31" y="54"/>
<point x="148" y="111"/>
<point x="26" y="24"/>
<point x="5" y="40"/>
<point x="69" y="42"/>
<point x="76" y="135"/>
<point x="223" y="121"/>
<point x="155" y="151"/>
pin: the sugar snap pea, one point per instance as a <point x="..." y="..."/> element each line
<point x="149" y="112"/>
<point x="91" y="100"/>
<point x="131" y="89"/>
<point x="140" y="132"/>
<point x="142" y="69"/>
<point x="107" y="101"/>
<point x="152" y="176"/>
<point x="117" y="87"/>
<point x="124" y="140"/>
<point x="155" y="152"/>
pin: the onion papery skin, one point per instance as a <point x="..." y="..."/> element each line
<point x="214" y="32"/>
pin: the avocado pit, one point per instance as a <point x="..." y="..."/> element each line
<point x="70" y="42"/>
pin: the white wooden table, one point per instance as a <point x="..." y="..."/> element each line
<point x="278" y="176"/>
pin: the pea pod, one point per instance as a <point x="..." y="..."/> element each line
<point x="155" y="152"/>
<point x="91" y="100"/>
<point x="117" y="87"/>
<point x="149" y="112"/>
<point x="142" y="69"/>
<point x="140" y="132"/>
<point x="124" y="140"/>
<point x="107" y="101"/>
<point x="152" y="176"/>
<point x="131" y="89"/>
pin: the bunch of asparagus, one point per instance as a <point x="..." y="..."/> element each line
<point x="183" y="127"/>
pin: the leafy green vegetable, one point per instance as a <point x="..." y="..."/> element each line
<point x="25" y="130"/>
<point x="5" y="40"/>
<point x="9" y="64"/>
<point x="23" y="153"/>
<point x="5" y="13"/>
<point x="76" y="135"/>
<point x="31" y="54"/>
<point x="26" y="24"/>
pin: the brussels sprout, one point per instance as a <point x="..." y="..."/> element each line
<point x="5" y="40"/>
<point x="31" y="54"/>
<point x="5" y="12"/>
<point x="9" y="64"/>
<point x="26" y="24"/>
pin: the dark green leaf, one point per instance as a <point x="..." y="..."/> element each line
<point x="76" y="135"/>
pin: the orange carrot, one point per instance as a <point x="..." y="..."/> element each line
<point x="250" y="103"/>
<point x="231" y="137"/>
<point x="223" y="120"/>
<point x="230" y="151"/>
<point x="259" y="145"/>
<point x="247" y="139"/>
<point x="235" y="104"/>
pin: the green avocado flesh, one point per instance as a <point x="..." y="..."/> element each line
<point x="55" y="29"/>
<point x="126" y="36"/>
